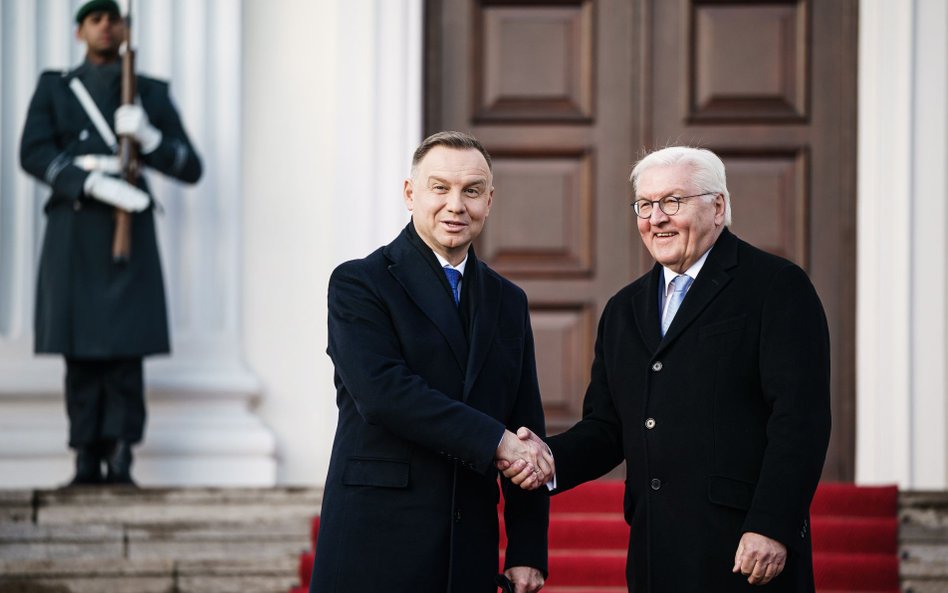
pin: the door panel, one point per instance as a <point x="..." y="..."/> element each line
<point x="535" y="63"/>
<point x="548" y="229"/>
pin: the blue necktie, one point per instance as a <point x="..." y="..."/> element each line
<point x="454" y="279"/>
<point x="679" y="286"/>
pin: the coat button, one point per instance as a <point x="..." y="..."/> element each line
<point x="650" y="423"/>
<point x="657" y="366"/>
<point x="656" y="484"/>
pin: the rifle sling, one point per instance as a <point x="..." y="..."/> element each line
<point x="92" y="110"/>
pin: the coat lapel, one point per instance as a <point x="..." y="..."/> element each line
<point x="646" y="310"/>
<point x="710" y="281"/>
<point x="416" y="277"/>
<point x="486" y="299"/>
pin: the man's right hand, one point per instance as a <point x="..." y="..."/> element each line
<point x="131" y="120"/>
<point x="530" y="470"/>
<point x="115" y="192"/>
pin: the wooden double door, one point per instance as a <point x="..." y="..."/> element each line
<point x="568" y="94"/>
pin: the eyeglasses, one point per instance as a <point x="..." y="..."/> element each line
<point x="669" y="205"/>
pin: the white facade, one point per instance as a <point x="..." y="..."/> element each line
<point x="902" y="243"/>
<point x="305" y="113"/>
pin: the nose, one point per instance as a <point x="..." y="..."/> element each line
<point x="455" y="201"/>
<point x="658" y="215"/>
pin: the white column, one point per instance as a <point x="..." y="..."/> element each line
<point x="330" y="121"/>
<point x="930" y="244"/>
<point x="902" y="297"/>
<point x="201" y="429"/>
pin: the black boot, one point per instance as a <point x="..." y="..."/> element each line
<point x="120" y="465"/>
<point x="88" y="467"/>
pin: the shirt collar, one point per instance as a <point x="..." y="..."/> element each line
<point x="444" y="262"/>
<point x="691" y="272"/>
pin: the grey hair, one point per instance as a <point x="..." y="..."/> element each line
<point x="707" y="170"/>
<point x="450" y="139"/>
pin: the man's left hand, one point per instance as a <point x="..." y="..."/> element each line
<point x="525" y="579"/>
<point x="759" y="558"/>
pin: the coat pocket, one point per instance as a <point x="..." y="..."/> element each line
<point x="730" y="492"/>
<point x="723" y="336"/>
<point x="381" y="473"/>
<point x="722" y="327"/>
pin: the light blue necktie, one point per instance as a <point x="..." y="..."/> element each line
<point x="679" y="286"/>
<point x="454" y="279"/>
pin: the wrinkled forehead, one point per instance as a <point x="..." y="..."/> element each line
<point x="664" y="180"/>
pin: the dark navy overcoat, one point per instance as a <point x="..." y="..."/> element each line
<point x="411" y="498"/>
<point x="723" y="424"/>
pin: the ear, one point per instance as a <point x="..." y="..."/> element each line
<point x="408" y="193"/>
<point x="490" y="200"/>
<point x="719" y="209"/>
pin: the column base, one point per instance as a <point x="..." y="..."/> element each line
<point x="200" y="431"/>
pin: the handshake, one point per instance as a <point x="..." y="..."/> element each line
<point x="525" y="459"/>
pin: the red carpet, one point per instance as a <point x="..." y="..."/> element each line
<point x="855" y="540"/>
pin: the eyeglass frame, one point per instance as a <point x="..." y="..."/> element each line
<point x="676" y="199"/>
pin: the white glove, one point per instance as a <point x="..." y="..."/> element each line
<point x="116" y="192"/>
<point x="131" y="120"/>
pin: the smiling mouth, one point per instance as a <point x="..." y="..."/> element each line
<point x="453" y="225"/>
<point x="665" y="235"/>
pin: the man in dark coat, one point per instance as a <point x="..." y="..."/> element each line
<point x="430" y="372"/>
<point x="720" y="410"/>
<point x="102" y="315"/>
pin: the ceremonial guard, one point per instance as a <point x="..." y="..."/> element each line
<point x="100" y="299"/>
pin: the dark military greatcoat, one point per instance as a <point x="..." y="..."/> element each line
<point x="87" y="306"/>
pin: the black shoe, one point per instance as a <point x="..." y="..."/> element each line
<point x="88" y="467"/>
<point x="120" y="465"/>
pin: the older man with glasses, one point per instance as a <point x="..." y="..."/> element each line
<point x="711" y="380"/>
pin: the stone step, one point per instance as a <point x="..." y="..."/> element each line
<point x="257" y="576"/>
<point x="91" y="575"/>
<point x="154" y="540"/>
<point x="87" y="575"/>
<point x="130" y="506"/>
<point x="923" y="541"/>
<point x="27" y="541"/>
<point x="196" y="542"/>
<point x="16" y="505"/>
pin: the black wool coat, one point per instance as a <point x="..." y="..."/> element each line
<point x="723" y="424"/>
<point x="86" y="305"/>
<point x="410" y="502"/>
